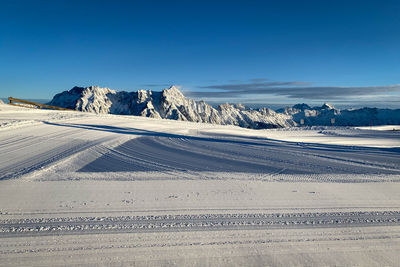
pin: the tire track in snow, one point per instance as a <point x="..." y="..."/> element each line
<point x="204" y="222"/>
<point x="53" y="249"/>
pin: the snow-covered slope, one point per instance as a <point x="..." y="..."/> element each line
<point x="168" y="104"/>
<point x="79" y="188"/>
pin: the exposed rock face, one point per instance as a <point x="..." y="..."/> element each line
<point x="172" y="104"/>
<point x="167" y="104"/>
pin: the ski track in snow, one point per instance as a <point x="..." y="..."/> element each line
<point x="24" y="154"/>
<point x="151" y="151"/>
<point x="224" y="155"/>
<point x="137" y="151"/>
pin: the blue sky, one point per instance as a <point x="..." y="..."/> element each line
<point x="222" y="51"/>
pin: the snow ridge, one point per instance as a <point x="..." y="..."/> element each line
<point x="172" y="104"/>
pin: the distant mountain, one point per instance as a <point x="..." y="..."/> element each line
<point x="167" y="104"/>
<point x="323" y="115"/>
<point x="172" y="104"/>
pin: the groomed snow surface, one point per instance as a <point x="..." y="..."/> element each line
<point x="86" y="189"/>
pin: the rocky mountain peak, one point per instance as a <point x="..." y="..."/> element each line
<point x="302" y="106"/>
<point x="327" y="106"/>
<point x="173" y="93"/>
<point x="172" y="104"/>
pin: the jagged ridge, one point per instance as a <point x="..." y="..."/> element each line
<point x="348" y="117"/>
<point x="172" y="104"/>
<point x="167" y="104"/>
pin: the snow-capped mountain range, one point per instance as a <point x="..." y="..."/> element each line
<point x="172" y="104"/>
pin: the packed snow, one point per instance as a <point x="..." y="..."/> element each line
<point x="190" y="193"/>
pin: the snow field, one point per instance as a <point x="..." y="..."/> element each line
<point x="193" y="194"/>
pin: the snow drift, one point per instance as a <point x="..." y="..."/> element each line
<point x="172" y="104"/>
